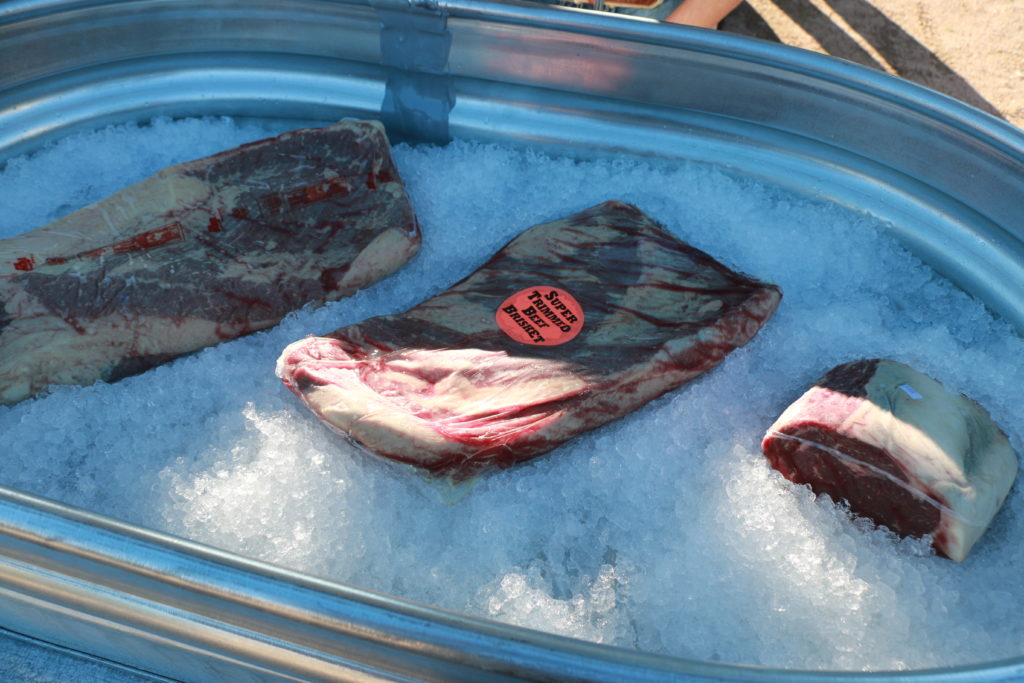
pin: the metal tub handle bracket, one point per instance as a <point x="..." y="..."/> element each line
<point x="415" y="43"/>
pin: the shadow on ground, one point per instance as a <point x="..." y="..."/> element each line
<point x="905" y="55"/>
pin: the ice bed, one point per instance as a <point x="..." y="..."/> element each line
<point x="192" y="522"/>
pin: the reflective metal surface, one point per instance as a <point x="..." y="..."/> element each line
<point x="948" y="177"/>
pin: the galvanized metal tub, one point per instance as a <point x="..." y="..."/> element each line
<point x="951" y="178"/>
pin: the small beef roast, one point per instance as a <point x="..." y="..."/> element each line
<point x="573" y="324"/>
<point x="199" y="253"/>
<point x="900" y="449"/>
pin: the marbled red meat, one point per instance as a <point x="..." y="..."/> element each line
<point x="463" y="383"/>
<point x="900" y="449"/>
<point x="199" y="253"/>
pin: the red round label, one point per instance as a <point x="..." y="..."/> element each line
<point x="543" y="316"/>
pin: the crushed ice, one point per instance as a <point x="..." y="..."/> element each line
<point x="665" y="531"/>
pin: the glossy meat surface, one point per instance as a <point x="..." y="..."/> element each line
<point x="199" y="253"/>
<point x="445" y="386"/>
<point x="900" y="449"/>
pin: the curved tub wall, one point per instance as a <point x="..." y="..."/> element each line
<point x="949" y="178"/>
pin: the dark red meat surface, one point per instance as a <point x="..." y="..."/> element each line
<point x="199" y="253"/>
<point x="899" y="449"/>
<point x="446" y="388"/>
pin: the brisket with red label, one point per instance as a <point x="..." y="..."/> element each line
<point x="445" y="388"/>
<point x="199" y="253"/>
<point x="900" y="449"/>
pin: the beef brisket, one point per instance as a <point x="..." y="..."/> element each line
<point x="199" y="253"/>
<point x="900" y="449"/>
<point x="573" y="324"/>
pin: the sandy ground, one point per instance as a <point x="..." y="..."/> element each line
<point x="972" y="50"/>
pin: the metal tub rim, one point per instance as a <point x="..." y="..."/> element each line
<point x="175" y="607"/>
